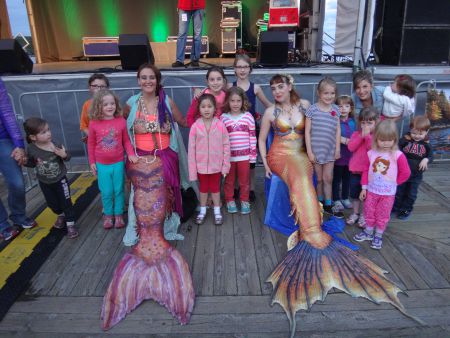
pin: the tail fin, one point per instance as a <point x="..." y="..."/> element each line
<point x="306" y="274"/>
<point x="167" y="281"/>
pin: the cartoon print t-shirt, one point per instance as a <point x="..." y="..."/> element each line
<point x="383" y="171"/>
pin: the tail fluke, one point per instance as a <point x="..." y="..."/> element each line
<point x="167" y="281"/>
<point x="306" y="274"/>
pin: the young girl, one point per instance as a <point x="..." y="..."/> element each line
<point x="96" y="82"/>
<point x="242" y="69"/>
<point x="322" y="136"/>
<point x="107" y="139"/>
<point x="241" y="128"/>
<point x="208" y="155"/>
<point x="399" y="98"/>
<point x="216" y="81"/>
<point x="360" y="142"/>
<point x="385" y="167"/>
<point x="48" y="159"/>
<point x="341" y="174"/>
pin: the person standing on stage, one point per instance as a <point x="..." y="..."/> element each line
<point x="187" y="10"/>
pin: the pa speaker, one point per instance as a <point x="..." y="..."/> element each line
<point x="13" y="59"/>
<point x="134" y="50"/>
<point x="273" y="48"/>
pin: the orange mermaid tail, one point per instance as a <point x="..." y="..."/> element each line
<point x="153" y="269"/>
<point x="315" y="262"/>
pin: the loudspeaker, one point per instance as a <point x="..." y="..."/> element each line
<point x="273" y="48"/>
<point x="134" y="50"/>
<point x="13" y="59"/>
<point x="413" y="32"/>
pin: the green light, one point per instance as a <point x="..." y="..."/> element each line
<point x="72" y="18"/>
<point x="158" y="23"/>
<point x="110" y="17"/>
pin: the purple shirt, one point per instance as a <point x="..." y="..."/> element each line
<point x="347" y="128"/>
<point x="8" y="124"/>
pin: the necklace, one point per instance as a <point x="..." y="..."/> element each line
<point x="144" y="106"/>
<point x="288" y="112"/>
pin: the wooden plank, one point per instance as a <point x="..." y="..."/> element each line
<point x="187" y="246"/>
<point x="224" y="258"/>
<point x="439" y="261"/>
<point x="408" y="276"/>
<point x="53" y="268"/>
<point x="203" y="267"/>
<point x="264" y="246"/>
<point x="93" y="272"/>
<point x="424" y="268"/>
<point x="420" y="241"/>
<point x="247" y="277"/>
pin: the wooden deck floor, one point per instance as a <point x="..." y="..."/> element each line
<point x="229" y="267"/>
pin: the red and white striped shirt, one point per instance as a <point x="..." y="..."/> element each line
<point x="241" y="130"/>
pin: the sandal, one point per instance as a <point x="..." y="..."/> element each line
<point x="218" y="219"/>
<point x="200" y="219"/>
<point x="60" y="222"/>
<point x="72" y="232"/>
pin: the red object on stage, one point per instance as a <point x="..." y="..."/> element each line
<point x="284" y="13"/>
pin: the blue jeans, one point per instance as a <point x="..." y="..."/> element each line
<point x="16" y="187"/>
<point x="183" y="26"/>
<point x="407" y="194"/>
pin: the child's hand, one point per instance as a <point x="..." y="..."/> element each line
<point x="337" y="155"/>
<point x="94" y="169"/>
<point x="312" y="157"/>
<point x="84" y="138"/>
<point x="268" y="171"/>
<point x="363" y="194"/>
<point x="61" y="152"/>
<point x="365" y="130"/>
<point x="423" y="165"/>
<point x="133" y="158"/>
<point x="198" y="92"/>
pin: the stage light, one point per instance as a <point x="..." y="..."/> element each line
<point x="110" y="17"/>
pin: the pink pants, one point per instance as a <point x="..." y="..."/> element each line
<point x="377" y="210"/>
<point x="242" y="170"/>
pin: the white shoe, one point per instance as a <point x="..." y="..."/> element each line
<point x="347" y="204"/>
<point x="338" y="206"/>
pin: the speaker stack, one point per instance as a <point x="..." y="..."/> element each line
<point x="273" y="48"/>
<point x="413" y="32"/>
<point x="134" y="50"/>
<point x="13" y="59"/>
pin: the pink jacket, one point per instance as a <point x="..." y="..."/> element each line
<point x="209" y="152"/>
<point x="359" y="146"/>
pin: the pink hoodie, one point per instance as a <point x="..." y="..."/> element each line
<point x="359" y="146"/>
<point x="209" y="152"/>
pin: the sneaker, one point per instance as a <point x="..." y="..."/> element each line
<point x="108" y="222"/>
<point x="231" y="207"/>
<point x="328" y="209"/>
<point x="352" y="219"/>
<point x="338" y="206"/>
<point x="72" y="232"/>
<point x="9" y="233"/>
<point x="338" y="214"/>
<point x="403" y="215"/>
<point x="59" y="223"/>
<point x="363" y="236"/>
<point x="361" y="221"/>
<point x="27" y="224"/>
<point x="245" y="208"/>
<point x="119" y="223"/>
<point x="195" y="63"/>
<point x="177" y="64"/>
<point x="377" y="243"/>
<point x="252" y="196"/>
<point x="347" y="204"/>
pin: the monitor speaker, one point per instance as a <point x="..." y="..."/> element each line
<point x="13" y="59"/>
<point x="134" y="50"/>
<point x="273" y="48"/>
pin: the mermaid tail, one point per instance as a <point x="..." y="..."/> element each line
<point x="153" y="269"/>
<point x="315" y="262"/>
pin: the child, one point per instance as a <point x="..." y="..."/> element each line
<point x="208" y="155"/>
<point x="216" y="80"/>
<point x="241" y="128"/>
<point x="242" y="69"/>
<point x="359" y="144"/>
<point x="48" y="159"/>
<point x="399" y="98"/>
<point x="419" y="154"/>
<point x="341" y="173"/>
<point x="107" y="139"/>
<point x="96" y="82"/>
<point x="323" y="136"/>
<point x="385" y="167"/>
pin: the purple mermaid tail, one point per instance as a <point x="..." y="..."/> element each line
<point x="153" y="269"/>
